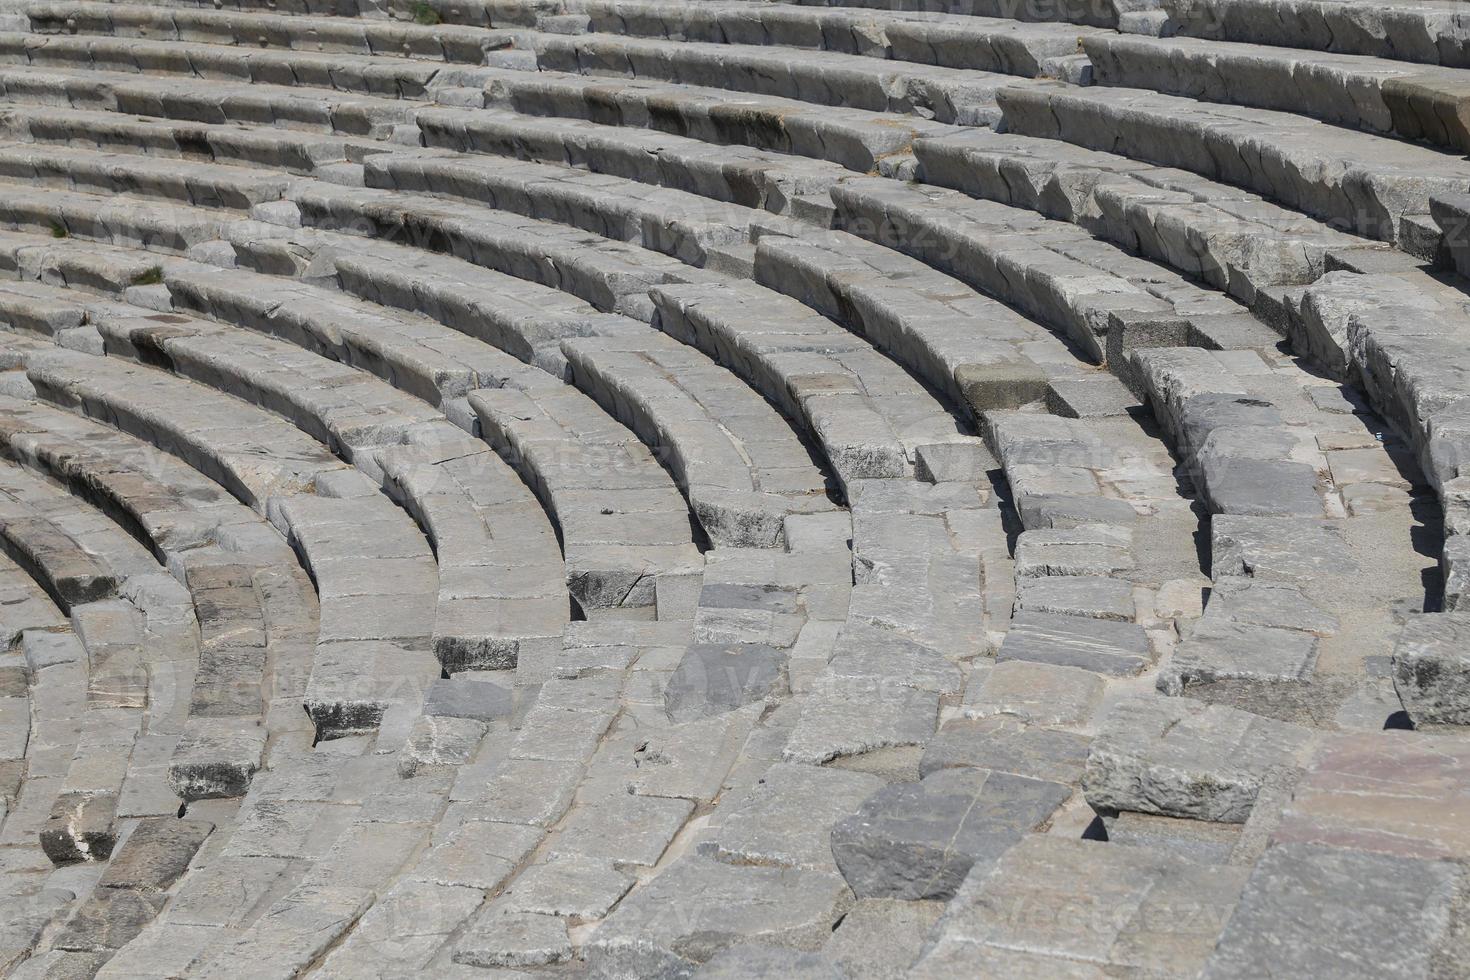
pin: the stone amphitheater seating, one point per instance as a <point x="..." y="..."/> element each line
<point x="736" y="488"/>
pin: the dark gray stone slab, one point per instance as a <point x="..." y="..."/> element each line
<point x="461" y="697"/>
<point x="919" y="840"/>
<point x="717" y="677"/>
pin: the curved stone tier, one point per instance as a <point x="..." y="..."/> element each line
<point x="730" y="489"/>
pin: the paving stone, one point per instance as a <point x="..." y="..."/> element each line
<point x="786" y="819"/>
<point x="625" y="829"/>
<point x="1102" y="646"/>
<point x="1077" y="595"/>
<point x="1006" y="745"/>
<point x="499" y="938"/>
<point x="155" y="854"/>
<point x="1037" y="693"/>
<point x="1397" y="793"/>
<point x="567" y="885"/>
<point x="881" y="937"/>
<point x="750" y="962"/>
<point x="1214" y="651"/>
<point x="1198" y="841"/>
<point x="479" y="854"/>
<point x="403" y="930"/>
<point x="717" y="677"/>
<point x="919" y="840"/>
<point x="719" y="905"/>
<point x="1118" y="909"/>
<point x="461" y="697"/>
<point x="1275" y="549"/>
<point x="1094" y="551"/>
<point x="1261" y="604"/>
<point x="1384" y="915"/>
<point x="1176" y="757"/>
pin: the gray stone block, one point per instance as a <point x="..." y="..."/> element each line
<point x="1090" y="596"/>
<point x="920" y="840"/>
<point x="1309" y="910"/>
<point x="1215" y="651"/>
<point x="716" y="677"/>
<point x="1102" y="646"/>
<point x="720" y="905"/>
<point x="1178" y="758"/>
<point x="1006" y="745"/>
<point x="1431" y="668"/>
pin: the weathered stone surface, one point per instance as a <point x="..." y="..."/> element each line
<point x="1177" y="758"/>
<point x="1114" y="908"/>
<point x="1101" y="646"/>
<point x="1397" y="793"/>
<point x="881" y="937"/>
<point x="716" y="677"/>
<point x="155" y="854"/>
<point x="919" y="840"/>
<point x="753" y="962"/>
<point x="1380" y="913"/>
<point x="1431" y="668"/>
<point x="1090" y="550"/>
<point x="786" y="819"/>
<point x="499" y="938"/>
<point x="1214" y="650"/>
<point x="719" y="905"/>
<point x="1277" y="549"/>
<point x="1038" y="693"/>
<point x="1006" y="745"/>
<point x="1077" y="595"/>
<point x="464" y="697"/>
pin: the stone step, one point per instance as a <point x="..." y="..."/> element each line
<point x="1390" y="97"/>
<point x="958" y="40"/>
<point x="1367" y="184"/>
<point x="856" y="139"/>
<point x="205" y="100"/>
<point x="263" y="29"/>
<point x="275" y="149"/>
<point x="1243" y="456"/>
<point x="1402" y="30"/>
<point x="738" y="462"/>
<point x="145" y="622"/>
<point x="622" y="522"/>
<point x="610" y="276"/>
<point x="1093" y="294"/>
<point x="683" y="225"/>
<point x="869" y="417"/>
<point x="1111" y="14"/>
<point x="1232" y="239"/>
<point x="364" y="75"/>
<point x="203" y="185"/>
<point x="241" y="574"/>
<point x="960" y="97"/>
<point x="393" y="438"/>
<point x="371" y="649"/>
<point x="1128" y="919"/>
<point x="747" y="176"/>
<point x="969" y="348"/>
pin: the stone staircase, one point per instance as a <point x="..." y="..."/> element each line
<point x="630" y="488"/>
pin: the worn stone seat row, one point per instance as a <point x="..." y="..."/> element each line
<point x="248" y="592"/>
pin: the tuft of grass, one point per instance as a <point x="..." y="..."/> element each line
<point x="425" y="14"/>
<point x="58" y="230"/>
<point x="149" y="277"/>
